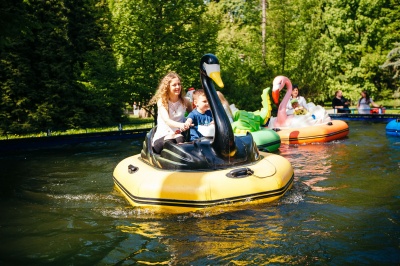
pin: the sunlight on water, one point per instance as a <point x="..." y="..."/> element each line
<point x="59" y="207"/>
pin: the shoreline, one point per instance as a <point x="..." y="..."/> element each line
<point x="54" y="141"/>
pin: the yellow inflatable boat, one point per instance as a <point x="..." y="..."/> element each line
<point x="184" y="191"/>
<point x="222" y="169"/>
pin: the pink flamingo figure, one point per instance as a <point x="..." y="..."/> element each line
<point x="315" y="115"/>
<point x="313" y="126"/>
<point x="277" y="85"/>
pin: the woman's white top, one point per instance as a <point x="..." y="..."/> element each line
<point x="176" y="112"/>
<point x="302" y="102"/>
<point x="364" y="107"/>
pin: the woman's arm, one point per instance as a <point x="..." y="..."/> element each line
<point x="163" y="113"/>
<point x="375" y="104"/>
<point x="303" y="102"/>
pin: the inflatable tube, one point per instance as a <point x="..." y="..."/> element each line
<point x="266" y="139"/>
<point x="184" y="191"/>
<point x="315" y="126"/>
<point x="325" y="132"/>
<point x="393" y="128"/>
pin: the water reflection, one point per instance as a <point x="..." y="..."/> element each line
<point x="217" y="239"/>
<point x="315" y="155"/>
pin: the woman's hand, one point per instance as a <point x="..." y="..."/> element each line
<point x="185" y="126"/>
<point x="188" y="123"/>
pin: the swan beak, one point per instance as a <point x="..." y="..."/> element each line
<point x="275" y="96"/>
<point x="216" y="77"/>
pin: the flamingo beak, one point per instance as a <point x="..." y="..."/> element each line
<point x="275" y="96"/>
<point x="216" y="77"/>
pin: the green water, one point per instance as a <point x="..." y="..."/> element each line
<point x="58" y="207"/>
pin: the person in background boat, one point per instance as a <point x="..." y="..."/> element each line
<point x="189" y="95"/>
<point x="364" y="103"/>
<point x="297" y="109"/>
<point x="201" y="117"/>
<point x="300" y="99"/>
<point x="172" y="106"/>
<point x="226" y="106"/>
<point x="340" y="103"/>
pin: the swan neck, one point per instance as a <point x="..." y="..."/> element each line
<point x="224" y="139"/>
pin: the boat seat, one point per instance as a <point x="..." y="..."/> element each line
<point x="149" y="140"/>
<point x="186" y="136"/>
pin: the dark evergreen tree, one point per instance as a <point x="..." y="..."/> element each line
<point x="60" y="72"/>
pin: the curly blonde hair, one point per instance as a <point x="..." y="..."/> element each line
<point x="163" y="90"/>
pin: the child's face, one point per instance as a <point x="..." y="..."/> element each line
<point x="295" y="104"/>
<point x="202" y="104"/>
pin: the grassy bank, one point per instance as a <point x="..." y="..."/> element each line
<point x="135" y="123"/>
<point x="132" y="124"/>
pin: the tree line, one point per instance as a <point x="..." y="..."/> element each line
<point x="78" y="63"/>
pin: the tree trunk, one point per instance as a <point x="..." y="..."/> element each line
<point x="263" y="23"/>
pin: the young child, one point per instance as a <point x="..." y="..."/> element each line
<point x="298" y="110"/>
<point x="200" y="116"/>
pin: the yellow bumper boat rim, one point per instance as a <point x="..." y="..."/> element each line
<point x="183" y="191"/>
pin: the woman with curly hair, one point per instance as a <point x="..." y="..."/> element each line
<point x="172" y="106"/>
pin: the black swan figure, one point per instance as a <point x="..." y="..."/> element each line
<point x="222" y="151"/>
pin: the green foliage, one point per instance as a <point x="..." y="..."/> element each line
<point x="75" y="64"/>
<point x="320" y="45"/>
<point x="154" y="37"/>
<point x="44" y="69"/>
<point x="392" y="63"/>
<point x="12" y="21"/>
<point x="239" y="50"/>
<point x="356" y="42"/>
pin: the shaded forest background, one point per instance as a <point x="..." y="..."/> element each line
<point x="79" y="63"/>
